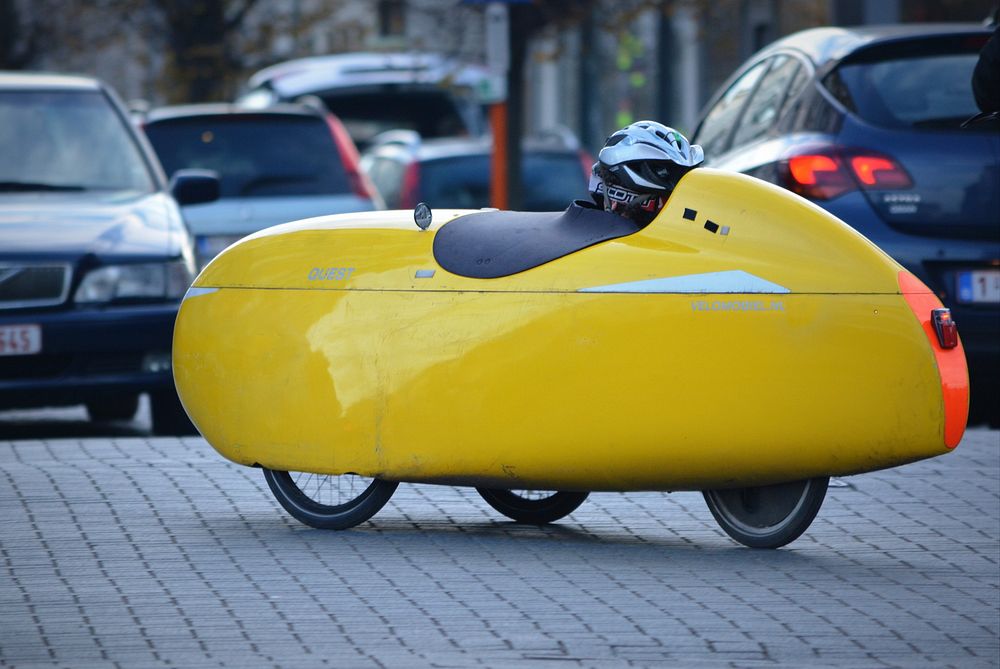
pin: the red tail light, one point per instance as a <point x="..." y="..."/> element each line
<point x="409" y="194"/>
<point x="587" y="163"/>
<point x="944" y="326"/>
<point x="818" y="176"/>
<point x="875" y="171"/>
<point x="822" y="176"/>
<point x="361" y="185"/>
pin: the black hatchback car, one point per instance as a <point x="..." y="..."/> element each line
<point x="867" y="123"/>
<point x="94" y="256"/>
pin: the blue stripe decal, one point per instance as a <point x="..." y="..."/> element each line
<point x="732" y="281"/>
<point x="195" y="292"/>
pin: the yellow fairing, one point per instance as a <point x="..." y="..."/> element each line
<point x="533" y="381"/>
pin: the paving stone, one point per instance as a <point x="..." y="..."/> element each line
<point x="122" y="552"/>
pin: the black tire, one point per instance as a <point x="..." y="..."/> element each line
<point x="302" y="495"/>
<point x="113" y="407"/>
<point x="534" y="507"/>
<point x="169" y="417"/>
<point x="768" y="516"/>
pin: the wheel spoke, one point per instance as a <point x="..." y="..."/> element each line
<point x="329" y="502"/>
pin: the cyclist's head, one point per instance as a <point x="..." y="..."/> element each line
<point x="639" y="166"/>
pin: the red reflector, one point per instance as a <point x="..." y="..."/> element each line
<point x="947" y="331"/>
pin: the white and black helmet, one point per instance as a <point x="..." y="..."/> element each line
<point x="642" y="163"/>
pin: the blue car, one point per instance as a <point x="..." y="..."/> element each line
<point x="94" y="255"/>
<point x="867" y="123"/>
<point x="275" y="165"/>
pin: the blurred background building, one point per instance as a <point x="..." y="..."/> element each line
<point x="592" y="65"/>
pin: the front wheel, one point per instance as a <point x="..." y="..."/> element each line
<point x="329" y="502"/>
<point x="768" y="516"/>
<point x="535" y="507"/>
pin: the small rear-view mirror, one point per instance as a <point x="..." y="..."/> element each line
<point x="193" y="186"/>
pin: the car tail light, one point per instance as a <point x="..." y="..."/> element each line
<point x="409" y="194"/>
<point x="826" y="175"/>
<point x="818" y="176"/>
<point x="876" y="172"/>
<point x="587" y="162"/>
<point x="361" y="185"/>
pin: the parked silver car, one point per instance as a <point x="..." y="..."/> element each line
<point x="429" y="93"/>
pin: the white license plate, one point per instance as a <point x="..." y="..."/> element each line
<point x="979" y="286"/>
<point x="20" y="339"/>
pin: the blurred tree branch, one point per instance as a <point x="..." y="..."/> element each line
<point x="236" y="17"/>
<point x="18" y="39"/>
<point x="202" y="61"/>
<point x="529" y="20"/>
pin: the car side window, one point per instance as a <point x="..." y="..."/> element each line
<point x="763" y="109"/>
<point x="716" y="129"/>
<point x="793" y="100"/>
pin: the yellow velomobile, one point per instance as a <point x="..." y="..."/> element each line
<point x="746" y="343"/>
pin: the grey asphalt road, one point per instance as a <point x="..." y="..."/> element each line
<point x="131" y="551"/>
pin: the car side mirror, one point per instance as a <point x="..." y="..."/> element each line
<point x="194" y="186"/>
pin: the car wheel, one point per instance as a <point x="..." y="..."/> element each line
<point x="113" y="407"/>
<point x="329" y="502"/>
<point x="169" y="417"/>
<point x="768" y="516"/>
<point x="535" y="507"/>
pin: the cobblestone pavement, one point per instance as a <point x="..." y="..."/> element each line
<point x="134" y="552"/>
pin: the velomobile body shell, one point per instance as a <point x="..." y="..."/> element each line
<point x="780" y="346"/>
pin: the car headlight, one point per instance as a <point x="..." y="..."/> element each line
<point x="140" y="281"/>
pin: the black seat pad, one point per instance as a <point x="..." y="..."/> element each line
<point x="492" y="244"/>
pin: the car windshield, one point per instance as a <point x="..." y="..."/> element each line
<point x="254" y="155"/>
<point x="918" y="92"/>
<point x="67" y="140"/>
<point x="431" y="113"/>
<point x="550" y="181"/>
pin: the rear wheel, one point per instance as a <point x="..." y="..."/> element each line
<point x="768" y="516"/>
<point x="329" y="502"/>
<point x="535" y="507"/>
